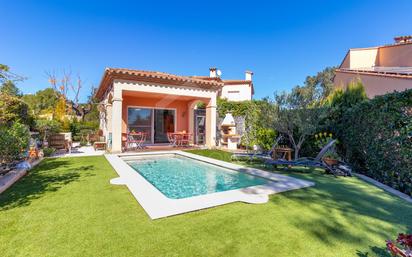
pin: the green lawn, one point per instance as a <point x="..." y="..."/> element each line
<point x="66" y="207"/>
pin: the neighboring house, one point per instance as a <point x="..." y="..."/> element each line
<point x="233" y="90"/>
<point x="382" y="69"/>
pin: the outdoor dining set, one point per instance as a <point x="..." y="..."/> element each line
<point x="138" y="140"/>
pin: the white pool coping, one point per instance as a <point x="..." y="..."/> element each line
<point x="157" y="205"/>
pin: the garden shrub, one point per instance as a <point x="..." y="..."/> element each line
<point x="77" y="138"/>
<point x="377" y="138"/>
<point x="265" y="138"/>
<point x="48" y="151"/>
<point x="339" y="102"/>
<point x="46" y="127"/>
<point x="13" y="109"/>
<point x="258" y="120"/>
<point x="14" y="141"/>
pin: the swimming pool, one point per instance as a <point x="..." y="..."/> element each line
<point x="167" y="183"/>
<point x="180" y="177"/>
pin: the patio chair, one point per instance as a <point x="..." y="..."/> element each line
<point x="141" y="140"/>
<point x="135" y="141"/>
<point x="186" y="138"/>
<point x="171" y="139"/>
<point x="100" y="144"/>
<point x="340" y="168"/>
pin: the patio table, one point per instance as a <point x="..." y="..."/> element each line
<point x="181" y="138"/>
<point x="285" y="150"/>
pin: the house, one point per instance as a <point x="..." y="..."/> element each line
<point x="157" y="103"/>
<point x="235" y="90"/>
<point x="382" y="69"/>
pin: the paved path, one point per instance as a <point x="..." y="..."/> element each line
<point x="13" y="176"/>
<point x="80" y="151"/>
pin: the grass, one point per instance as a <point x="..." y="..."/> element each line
<point x="216" y="154"/>
<point x="66" y="207"/>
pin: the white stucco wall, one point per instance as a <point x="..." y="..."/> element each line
<point x="237" y="93"/>
<point x="362" y="58"/>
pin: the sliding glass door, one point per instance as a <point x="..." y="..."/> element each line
<point x="156" y="123"/>
<point x="164" y="122"/>
<point x="140" y="120"/>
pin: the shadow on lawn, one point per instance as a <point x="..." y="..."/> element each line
<point x="49" y="176"/>
<point x="340" y="203"/>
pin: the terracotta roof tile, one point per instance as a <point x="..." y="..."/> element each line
<point x="229" y="81"/>
<point x="155" y="77"/>
<point x="236" y="81"/>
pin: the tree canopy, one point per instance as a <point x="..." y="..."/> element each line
<point x="43" y="101"/>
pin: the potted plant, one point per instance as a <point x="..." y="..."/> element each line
<point x="331" y="158"/>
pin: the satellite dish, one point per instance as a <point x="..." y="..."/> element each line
<point x="219" y="73"/>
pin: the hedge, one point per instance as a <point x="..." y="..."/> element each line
<point x="378" y="139"/>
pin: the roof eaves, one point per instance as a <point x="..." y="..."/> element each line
<point x="375" y="73"/>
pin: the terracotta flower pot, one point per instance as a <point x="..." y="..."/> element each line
<point x="330" y="161"/>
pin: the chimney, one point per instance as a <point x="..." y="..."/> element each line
<point x="248" y="75"/>
<point x="403" y="39"/>
<point x="213" y="72"/>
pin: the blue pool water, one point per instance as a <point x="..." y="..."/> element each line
<point x="180" y="177"/>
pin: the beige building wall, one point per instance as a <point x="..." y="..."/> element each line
<point x="346" y="61"/>
<point x="396" y="56"/>
<point x="374" y="84"/>
<point x="388" y="56"/>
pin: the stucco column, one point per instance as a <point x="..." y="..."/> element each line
<point x="108" y="119"/>
<point x="191" y="107"/>
<point x="211" y="123"/>
<point x="117" y="124"/>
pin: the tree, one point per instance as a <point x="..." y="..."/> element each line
<point x="4" y="73"/>
<point x="13" y="109"/>
<point x="43" y="101"/>
<point x="10" y="88"/>
<point x="93" y="115"/>
<point x="296" y="122"/>
<point x="299" y="113"/>
<point x="315" y="89"/>
<point x="60" y="110"/>
<point x="342" y="100"/>
<point x="63" y="85"/>
<point x="348" y="97"/>
<point x="7" y="81"/>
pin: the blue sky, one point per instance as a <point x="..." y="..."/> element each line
<point x="280" y="41"/>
